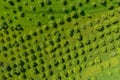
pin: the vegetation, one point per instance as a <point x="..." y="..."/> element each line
<point x="59" y="39"/>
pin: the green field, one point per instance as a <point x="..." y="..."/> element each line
<point x="59" y="39"/>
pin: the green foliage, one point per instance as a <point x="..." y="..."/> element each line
<point x="59" y="40"/>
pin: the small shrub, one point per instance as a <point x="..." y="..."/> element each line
<point x="115" y="29"/>
<point x="87" y="41"/>
<point x="64" y="2"/>
<point x="95" y="45"/>
<point x="34" y="64"/>
<point x="49" y="10"/>
<point x="33" y="57"/>
<point x="108" y="32"/>
<point x="81" y="45"/>
<point x="80" y="4"/>
<point x="116" y="36"/>
<point x="38" y="23"/>
<point x="34" y="33"/>
<point x="73" y="7"/>
<point x="48" y="2"/>
<point x="65" y="10"/>
<point x="60" y="21"/>
<point x="11" y="3"/>
<point x="81" y="12"/>
<point x="36" y="71"/>
<point x="110" y="7"/>
<point x="91" y="63"/>
<point x="1" y="63"/>
<point x="27" y="37"/>
<point x="8" y="39"/>
<point x="68" y="18"/>
<point x="86" y="1"/>
<point x="46" y="27"/>
<point x="20" y="8"/>
<point x="110" y="39"/>
<point x="25" y="54"/>
<point x="104" y="50"/>
<point x="4" y="48"/>
<point x="99" y="27"/>
<point x="51" y="73"/>
<point x="38" y="48"/>
<point x="74" y="15"/>
<point x="53" y="24"/>
<point x="51" y="17"/>
<point x="23" y="76"/>
<point x="110" y="47"/>
<point x="19" y="27"/>
<point x="98" y="60"/>
<point x="22" y="69"/>
<point x="71" y="32"/>
<point x="42" y="4"/>
<point x="94" y="4"/>
<point x="64" y="66"/>
<point x="93" y="38"/>
<point x="21" y="63"/>
<point x="103" y="2"/>
<point x="3" y="77"/>
<point x="81" y="52"/>
<point x="21" y="39"/>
